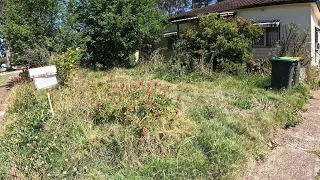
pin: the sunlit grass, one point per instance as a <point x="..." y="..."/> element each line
<point x="223" y="121"/>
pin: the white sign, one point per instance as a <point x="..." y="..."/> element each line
<point x="44" y="77"/>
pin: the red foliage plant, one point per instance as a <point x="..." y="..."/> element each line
<point x="146" y="107"/>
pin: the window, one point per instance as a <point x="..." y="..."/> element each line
<point x="272" y="36"/>
<point x="261" y="40"/>
<point x="269" y="38"/>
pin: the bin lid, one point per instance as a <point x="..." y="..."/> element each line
<point x="289" y="59"/>
<point x="296" y="58"/>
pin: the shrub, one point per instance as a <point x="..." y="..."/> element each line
<point x="66" y="64"/>
<point x="313" y="77"/>
<point x="221" y="41"/>
<point x="294" y="43"/>
<point x="36" y="57"/>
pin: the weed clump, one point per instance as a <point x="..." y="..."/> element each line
<point x="119" y="122"/>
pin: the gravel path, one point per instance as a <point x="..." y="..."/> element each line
<point x="297" y="156"/>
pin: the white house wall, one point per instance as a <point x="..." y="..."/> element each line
<point x="287" y="14"/>
<point x="314" y="24"/>
<point x="298" y="14"/>
<point x="306" y="15"/>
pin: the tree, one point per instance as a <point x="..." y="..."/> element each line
<point x="113" y="29"/>
<point x="68" y="35"/>
<point x="30" y="24"/>
<point x="200" y="3"/>
<point x="173" y="7"/>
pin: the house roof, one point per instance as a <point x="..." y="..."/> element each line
<point x="229" y="5"/>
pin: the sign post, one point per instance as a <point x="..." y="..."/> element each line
<point x="44" y="78"/>
<point x="50" y="103"/>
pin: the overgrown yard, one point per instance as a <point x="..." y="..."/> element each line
<point x="131" y="124"/>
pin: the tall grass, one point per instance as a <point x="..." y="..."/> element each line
<point x="223" y="120"/>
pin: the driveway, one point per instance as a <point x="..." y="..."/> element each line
<point x="297" y="156"/>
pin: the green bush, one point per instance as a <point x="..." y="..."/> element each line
<point x="313" y="77"/>
<point x="35" y="57"/>
<point x="221" y="41"/>
<point x="66" y="64"/>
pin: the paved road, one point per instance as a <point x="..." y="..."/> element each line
<point x="295" y="158"/>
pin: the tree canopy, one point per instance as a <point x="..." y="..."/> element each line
<point x="30" y="24"/>
<point x="113" y="29"/>
<point x="173" y="7"/>
<point x="200" y="3"/>
<point x="108" y="30"/>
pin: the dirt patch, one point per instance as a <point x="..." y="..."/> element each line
<point x="293" y="158"/>
<point x="4" y="92"/>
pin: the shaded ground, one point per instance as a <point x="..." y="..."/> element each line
<point x="297" y="155"/>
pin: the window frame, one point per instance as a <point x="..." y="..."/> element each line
<point x="265" y="39"/>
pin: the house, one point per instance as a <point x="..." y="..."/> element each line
<point x="272" y="15"/>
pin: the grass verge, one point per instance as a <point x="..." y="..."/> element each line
<point x="222" y="121"/>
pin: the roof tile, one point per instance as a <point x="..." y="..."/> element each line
<point x="229" y="5"/>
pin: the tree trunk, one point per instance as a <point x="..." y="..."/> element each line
<point x="8" y="56"/>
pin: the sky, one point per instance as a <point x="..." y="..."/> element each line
<point x="213" y="2"/>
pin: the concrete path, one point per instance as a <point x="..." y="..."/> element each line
<point x="297" y="156"/>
